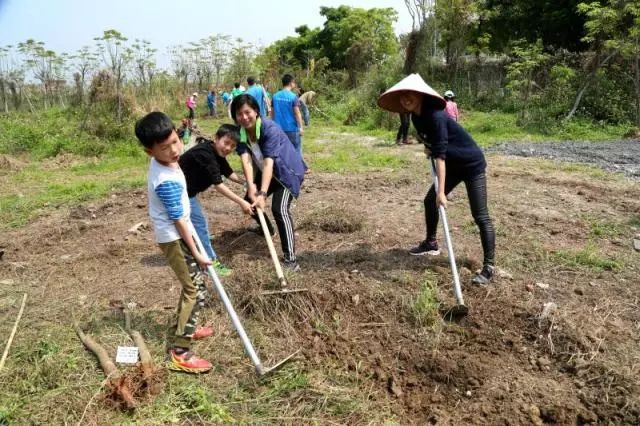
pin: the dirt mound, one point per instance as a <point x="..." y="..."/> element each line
<point x="9" y="163"/>
<point x="336" y="220"/>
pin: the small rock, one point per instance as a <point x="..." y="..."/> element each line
<point x="355" y="299"/>
<point x="542" y="286"/>
<point x="543" y="361"/>
<point x="6" y="282"/>
<point x="636" y="244"/>
<point x="394" y="387"/>
<point x="19" y="265"/>
<point x="65" y="257"/>
<point x="355" y="271"/>
<point x="529" y="288"/>
<point x="547" y="309"/>
<point x="504" y="274"/>
<point x="534" y="415"/>
<point x="468" y="394"/>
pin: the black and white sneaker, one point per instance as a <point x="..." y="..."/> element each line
<point x="485" y="276"/>
<point x="291" y="265"/>
<point x="425" y="247"/>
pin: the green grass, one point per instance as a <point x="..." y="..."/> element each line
<point x="27" y="193"/>
<point x="489" y="128"/>
<point x="426" y="305"/>
<point x="586" y="257"/>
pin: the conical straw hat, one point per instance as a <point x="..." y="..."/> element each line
<point x="390" y="100"/>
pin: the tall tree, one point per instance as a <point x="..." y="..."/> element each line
<point x="614" y="28"/>
<point x="556" y="22"/>
<point x="42" y="63"/>
<point x="217" y="47"/>
<point x="144" y="61"/>
<point x="347" y="27"/>
<point x="115" y="54"/>
<point x="83" y="63"/>
<point x="182" y="64"/>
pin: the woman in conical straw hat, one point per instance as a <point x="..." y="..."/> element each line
<point x="457" y="159"/>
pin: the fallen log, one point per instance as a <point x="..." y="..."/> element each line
<point x="115" y="381"/>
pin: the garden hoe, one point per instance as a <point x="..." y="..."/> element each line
<point x="261" y="370"/>
<point x="276" y="262"/>
<point x="459" y="310"/>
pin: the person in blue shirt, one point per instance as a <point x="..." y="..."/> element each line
<point x="211" y="103"/>
<point x="271" y="166"/>
<point x="285" y="110"/>
<point x="260" y="96"/>
<point x="458" y="159"/>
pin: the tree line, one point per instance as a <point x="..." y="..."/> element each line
<point x="545" y="60"/>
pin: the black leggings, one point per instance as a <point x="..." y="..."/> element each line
<point x="403" y="131"/>
<point x="280" y="207"/>
<point x="477" y="193"/>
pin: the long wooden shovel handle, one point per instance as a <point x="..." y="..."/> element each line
<point x="13" y="332"/>
<point x="272" y="249"/>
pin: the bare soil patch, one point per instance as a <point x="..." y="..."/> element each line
<point x="504" y="364"/>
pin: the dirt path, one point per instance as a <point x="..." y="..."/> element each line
<point x="365" y="359"/>
<point x="616" y="156"/>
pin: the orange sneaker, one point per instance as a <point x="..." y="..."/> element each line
<point x="188" y="362"/>
<point x="202" y="333"/>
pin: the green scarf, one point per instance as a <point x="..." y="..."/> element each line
<point x="244" y="136"/>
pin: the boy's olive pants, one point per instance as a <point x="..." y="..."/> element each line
<point x="193" y="293"/>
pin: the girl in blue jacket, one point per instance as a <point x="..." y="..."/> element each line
<point x="271" y="166"/>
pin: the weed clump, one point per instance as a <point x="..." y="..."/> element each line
<point x="335" y="220"/>
<point x="426" y="306"/>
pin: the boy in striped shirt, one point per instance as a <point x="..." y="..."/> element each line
<point x="169" y="211"/>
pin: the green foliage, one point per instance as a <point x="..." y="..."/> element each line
<point x="586" y="257"/>
<point x="554" y="22"/>
<point x="529" y="58"/>
<point x="426" y="304"/>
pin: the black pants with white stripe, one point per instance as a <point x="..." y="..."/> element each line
<point x="281" y="209"/>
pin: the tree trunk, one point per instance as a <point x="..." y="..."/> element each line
<point x="119" y="101"/>
<point x="586" y="85"/>
<point x="637" y="84"/>
<point x="5" y="103"/>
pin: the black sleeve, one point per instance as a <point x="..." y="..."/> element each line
<point x="438" y="135"/>
<point x="224" y="166"/>
<point x="212" y="170"/>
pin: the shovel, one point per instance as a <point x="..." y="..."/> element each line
<point x="276" y="262"/>
<point x="459" y="310"/>
<point x="261" y="370"/>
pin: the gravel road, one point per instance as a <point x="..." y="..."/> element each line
<point x="617" y="156"/>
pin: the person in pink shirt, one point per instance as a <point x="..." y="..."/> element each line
<point x="191" y="105"/>
<point x="452" y="107"/>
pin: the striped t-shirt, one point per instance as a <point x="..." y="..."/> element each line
<point x="168" y="200"/>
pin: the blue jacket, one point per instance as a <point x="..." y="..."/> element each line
<point x="288" y="167"/>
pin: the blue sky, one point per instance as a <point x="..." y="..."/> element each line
<point x="67" y="25"/>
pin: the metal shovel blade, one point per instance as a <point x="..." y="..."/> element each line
<point x="264" y="371"/>
<point x="455" y="312"/>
